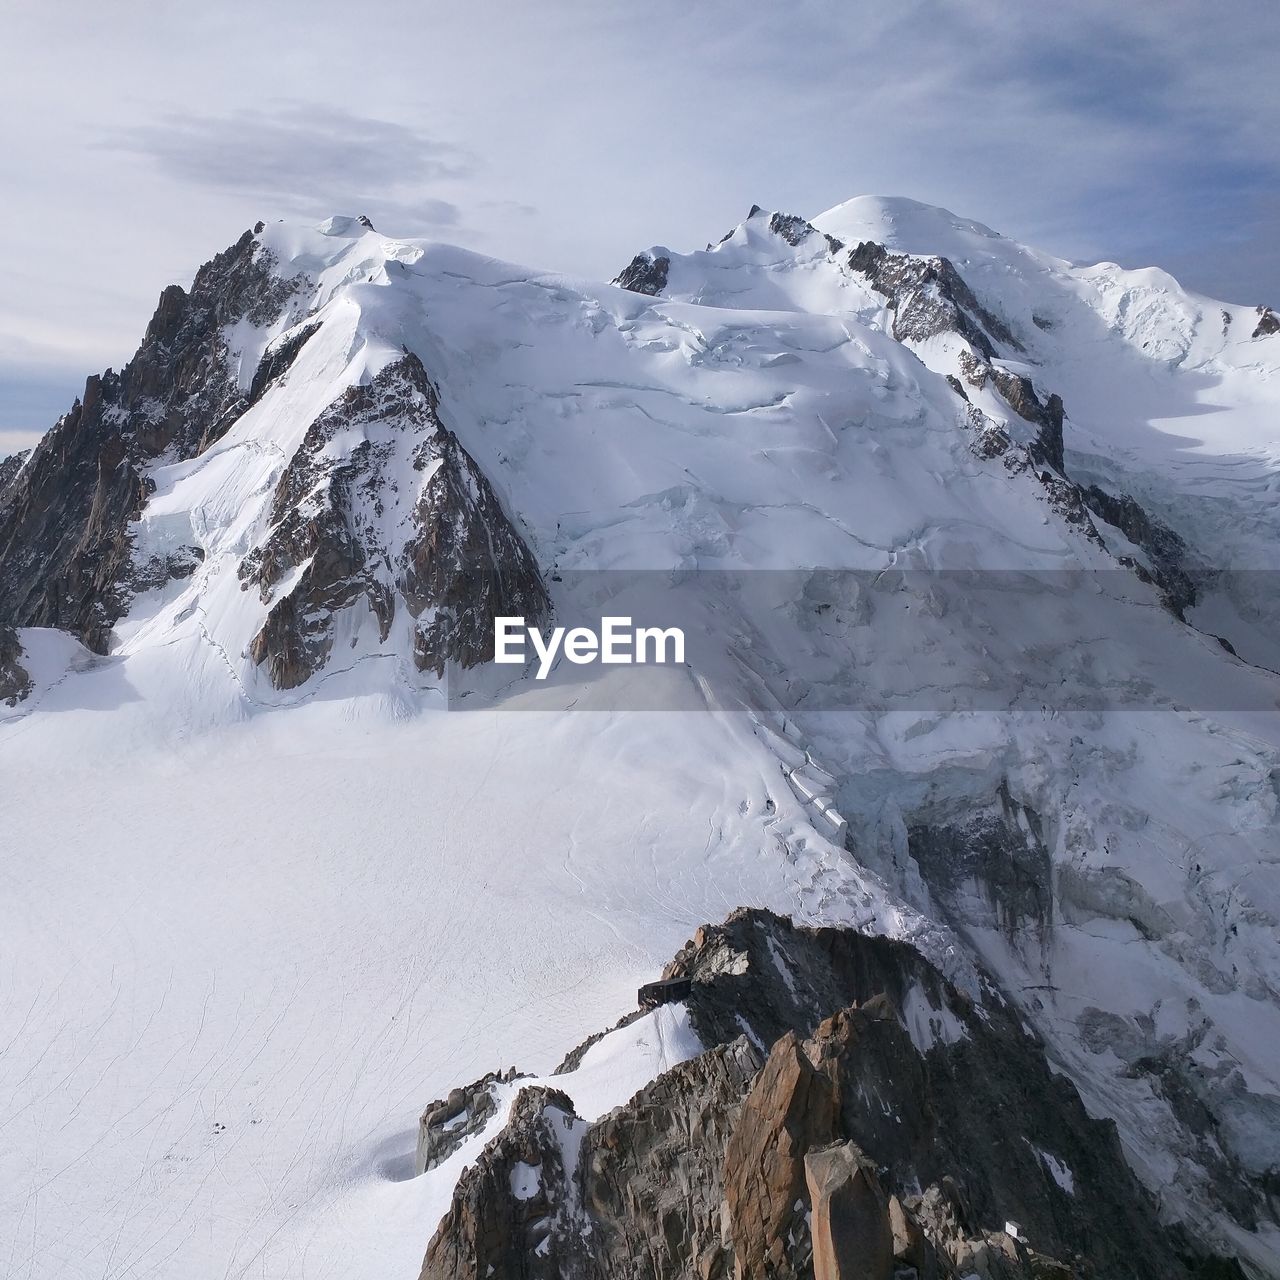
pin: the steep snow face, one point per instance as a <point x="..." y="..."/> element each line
<point x="363" y="903"/>
<point x="1171" y="397"/>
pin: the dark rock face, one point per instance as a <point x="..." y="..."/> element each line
<point x="795" y="230"/>
<point x="1049" y="415"/>
<point x="1268" y="323"/>
<point x="66" y="551"/>
<point x="457" y="563"/>
<point x="645" y="274"/>
<point x="791" y="227"/>
<point x="928" y="297"/>
<point x="64" y="540"/>
<point x="988" y="439"/>
<point x="513" y="1211"/>
<point x="1043" y="456"/>
<point x="894" y="1124"/>
<point x="447" y="1123"/>
<point x="1167" y="552"/>
<point x="15" y="684"/>
<point x="1020" y="395"/>
<point x="642" y="1199"/>
<point x="1065" y="498"/>
<point x="653" y="1171"/>
<point x="9" y="468"/>
<point x="278" y="358"/>
<point x="990" y="862"/>
<point x="979" y="1104"/>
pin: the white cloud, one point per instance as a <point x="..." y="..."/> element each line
<point x="304" y="158"/>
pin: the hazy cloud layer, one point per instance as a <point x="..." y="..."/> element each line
<point x="138" y="140"/>
<point x="305" y="158"/>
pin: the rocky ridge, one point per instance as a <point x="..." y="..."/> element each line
<point x="15" y="683"/>
<point x="342" y="532"/>
<point x="65" y="541"/>
<point x="338" y="528"/>
<point x="928" y="297"/>
<point x="893" y="1127"/>
<point x="1268" y="323"/>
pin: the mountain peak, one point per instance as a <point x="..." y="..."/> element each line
<point x="899" y="222"/>
<point x="885" y="464"/>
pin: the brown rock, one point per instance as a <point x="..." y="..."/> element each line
<point x="652" y="1173"/>
<point x="852" y="1235"/>
<point x="448" y="1122"/>
<point x="910" y="1246"/>
<point x="457" y="563"/>
<point x="790" y="1110"/>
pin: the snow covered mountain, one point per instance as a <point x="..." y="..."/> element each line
<point x="974" y="549"/>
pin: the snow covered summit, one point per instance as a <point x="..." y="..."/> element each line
<point x="974" y="545"/>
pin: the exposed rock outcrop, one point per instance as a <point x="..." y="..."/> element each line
<point x="1169" y="556"/>
<point x="789" y="1111"/>
<point x="1020" y="394"/>
<point x="15" y="683"/>
<point x="1268" y="323"/>
<point x="339" y="529"/>
<point x="928" y="296"/>
<point x="989" y="866"/>
<point x="638" y="1194"/>
<point x="645" y="273"/>
<point x="10" y="465"/>
<point x="65" y="545"/>
<point x="853" y="1235"/>
<point x="653" y="1170"/>
<point x="1047" y="415"/>
<point x="278" y="358"/>
<point x="795" y="230"/>
<point x="515" y="1209"/>
<point x="895" y="1123"/>
<point x="448" y="1122"/>
<point x="447" y="548"/>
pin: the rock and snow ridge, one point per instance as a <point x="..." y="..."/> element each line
<point x="338" y="455"/>
<point x="705" y="1167"/>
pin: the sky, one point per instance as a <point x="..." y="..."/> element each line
<point x="137" y="139"/>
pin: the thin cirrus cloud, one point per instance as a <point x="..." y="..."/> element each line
<point x="306" y="159"/>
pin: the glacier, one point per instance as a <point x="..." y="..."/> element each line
<point x="989" y="677"/>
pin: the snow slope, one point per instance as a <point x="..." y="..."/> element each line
<point x="250" y="932"/>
